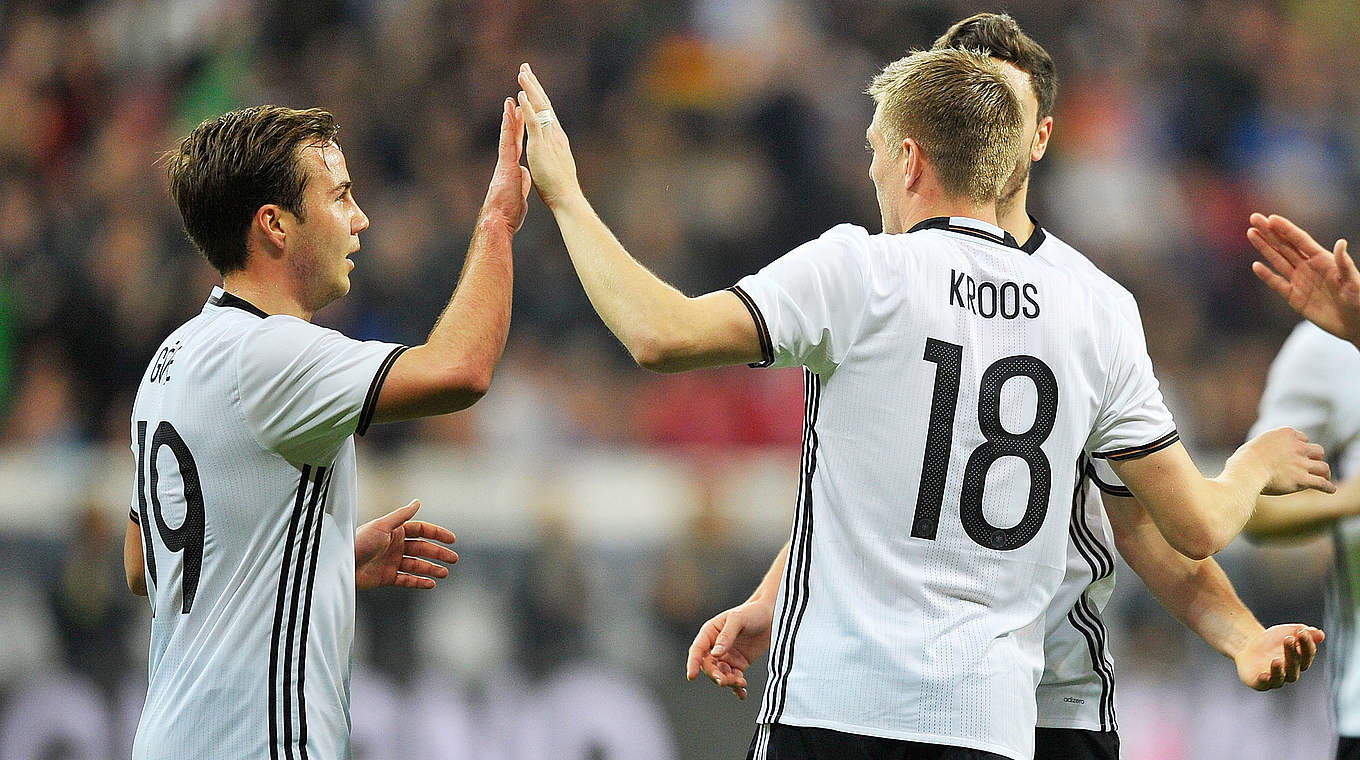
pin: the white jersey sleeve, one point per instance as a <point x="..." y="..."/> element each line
<point x="305" y="389"/>
<point x="1303" y="388"/>
<point x="809" y="304"/>
<point x="1133" y="420"/>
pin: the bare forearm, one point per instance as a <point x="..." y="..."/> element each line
<point x="636" y="305"/>
<point x="769" y="585"/>
<point x="1300" y="514"/>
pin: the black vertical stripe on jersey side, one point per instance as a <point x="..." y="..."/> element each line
<point x="1083" y="535"/>
<point x="805" y="565"/>
<point x="1344" y="606"/>
<point x="1100" y="659"/>
<point x="278" y="614"/>
<point x="1092" y="633"/>
<point x="318" y="475"/>
<point x="307" y="616"/>
<point x="791" y="563"/>
<point x="371" y="398"/>
<point x="145" y="522"/>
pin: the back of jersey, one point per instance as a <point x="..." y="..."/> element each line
<point x="248" y="535"/>
<point x="953" y="380"/>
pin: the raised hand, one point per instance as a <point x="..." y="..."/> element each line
<point x="507" y="199"/>
<point x="728" y="643"/>
<point x="1292" y="463"/>
<point x="550" y="159"/>
<point x="395" y="550"/>
<point x="1322" y="286"/>
<point x="1278" y="655"/>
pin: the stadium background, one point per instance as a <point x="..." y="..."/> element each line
<point x="604" y="512"/>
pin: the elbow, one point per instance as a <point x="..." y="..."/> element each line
<point x="1202" y="544"/>
<point x="467" y="386"/>
<point x="656" y="353"/>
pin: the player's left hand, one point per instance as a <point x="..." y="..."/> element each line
<point x="549" y="152"/>
<point x="395" y="550"/>
<point x="1278" y="655"/>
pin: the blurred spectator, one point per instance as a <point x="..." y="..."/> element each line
<point x="90" y="602"/>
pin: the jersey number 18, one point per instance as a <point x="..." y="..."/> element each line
<point x="948" y="358"/>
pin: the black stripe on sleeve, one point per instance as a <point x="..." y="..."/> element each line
<point x="1138" y="452"/>
<point x="278" y="614"/>
<point x="1107" y="488"/>
<point x="371" y="400"/>
<point x="132" y="515"/>
<point x="762" y="329"/>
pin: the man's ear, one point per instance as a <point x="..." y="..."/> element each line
<point x="271" y="225"/>
<point x="1039" y="147"/>
<point x="911" y="163"/>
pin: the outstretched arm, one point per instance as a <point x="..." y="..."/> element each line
<point x="1199" y="594"/>
<point x="731" y="640"/>
<point x="1199" y="515"/>
<point x="1321" y="285"/>
<point x="453" y="368"/>
<point x="395" y="550"/>
<point x="1303" y="513"/>
<point x="661" y="327"/>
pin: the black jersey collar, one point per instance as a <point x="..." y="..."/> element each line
<point x="967" y="226"/>
<point x="1036" y="238"/>
<point x="221" y="297"/>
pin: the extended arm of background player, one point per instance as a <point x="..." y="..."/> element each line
<point x="1322" y="286"/>
<point x="1199" y="515"/>
<point x="1199" y="595"/>
<point x="453" y="369"/>
<point x="663" y="329"/>
<point x="1302" y="514"/>
<point x="134" y="566"/>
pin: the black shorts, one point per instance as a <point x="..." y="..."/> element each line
<point x="776" y="741"/>
<point x="1075" y="744"/>
<point x="1348" y="748"/>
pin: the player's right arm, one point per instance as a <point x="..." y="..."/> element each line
<point x="134" y="567"/>
<point x="453" y="368"/>
<point x="663" y="329"/>
<point x="1199" y="515"/>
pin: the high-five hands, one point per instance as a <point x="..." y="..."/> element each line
<point x="395" y="550"/>
<point x="1322" y="286"/>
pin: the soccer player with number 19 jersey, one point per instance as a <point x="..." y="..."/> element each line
<point x="245" y="496"/>
<point x="953" y="380"/>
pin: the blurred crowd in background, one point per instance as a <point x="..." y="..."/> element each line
<point x="713" y="136"/>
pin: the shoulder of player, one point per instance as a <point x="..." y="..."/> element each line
<point x="1315" y="350"/>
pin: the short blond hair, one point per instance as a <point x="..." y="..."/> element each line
<point x="961" y="111"/>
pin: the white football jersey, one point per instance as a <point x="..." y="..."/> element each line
<point x="245" y="494"/>
<point x="953" y="380"/>
<point x="1312" y="387"/>
<point x="1077" y="688"/>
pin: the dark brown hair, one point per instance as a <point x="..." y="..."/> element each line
<point x="231" y="165"/>
<point x="999" y="36"/>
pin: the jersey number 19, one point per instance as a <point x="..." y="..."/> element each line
<point x="188" y="537"/>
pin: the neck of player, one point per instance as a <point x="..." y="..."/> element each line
<point x="266" y="293"/>
<point x="1013" y="216"/>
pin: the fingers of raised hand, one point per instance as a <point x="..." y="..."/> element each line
<point x="1294" y="235"/>
<point x="1270" y="251"/>
<point x="429" y="550"/>
<point x="533" y="89"/>
<point x="413" y="581"/>
<point x="417" y="566"/>
<point x="421" y="529"/>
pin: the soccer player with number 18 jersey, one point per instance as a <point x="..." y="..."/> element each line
<point x="953" y="380"/>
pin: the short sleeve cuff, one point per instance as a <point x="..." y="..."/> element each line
<point x="1104" y="478"/>
<point x="375" y="388"/>
<point x="133" y="516"/>
<point x="1138" y="452"/>
<point x="762" y="328"/>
